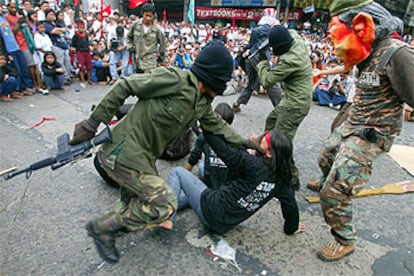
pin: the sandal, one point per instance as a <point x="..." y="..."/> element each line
<point x="5" y="98"/>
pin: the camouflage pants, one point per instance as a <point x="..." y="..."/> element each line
<point x="346" y="164"/>
<point x="287" y="120"/>
<point x="145" y="200"/>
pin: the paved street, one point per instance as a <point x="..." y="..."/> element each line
<point x="42" y="219"/>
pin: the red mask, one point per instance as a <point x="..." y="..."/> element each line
<point x="352" y="45"/>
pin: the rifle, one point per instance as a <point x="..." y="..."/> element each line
<point x="66" y="153"/>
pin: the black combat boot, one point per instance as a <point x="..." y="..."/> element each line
<point x="103" y="231"/>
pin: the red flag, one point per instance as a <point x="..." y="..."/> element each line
<point x="76" y="3"/>
<point x="164" y="15"/>
<point x="136" y="3"/>
<point x="107" y="9"/>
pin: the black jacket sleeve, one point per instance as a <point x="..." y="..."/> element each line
<point x="48" y="71"/>
<point x="230" y="156"/>
<point x="290" y="210"/>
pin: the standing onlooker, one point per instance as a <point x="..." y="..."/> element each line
<point x="60" y="46"/>
<point x="258" y="41"/>
<point x="43" y="45"/>
<point x="80" y="42"/>
<point x="16" y="26"/>
<point x="26" y="7"/>
<point x="41" y="15"/>
<point x="110" y="27"/>
<point x="118" y="52"/>
<point x="42" y="41"/>
<point x="146" y="40"/>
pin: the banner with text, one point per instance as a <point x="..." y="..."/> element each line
<point x="259" y="3"/>
<point x="241" y="14"/>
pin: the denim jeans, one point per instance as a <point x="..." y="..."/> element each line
<point x="188" y="189"/>
<point x="7" y="87"/>
<point x="55" y="82"/>
<point x="113" y="63"/>
<point x="24" y="80"/>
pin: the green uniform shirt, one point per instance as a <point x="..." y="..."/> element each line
<point x="147" y="45"/>
<point x="294" y="70"/>
<point x="169" y="102"/>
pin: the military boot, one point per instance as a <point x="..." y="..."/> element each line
<point x="235" y="107"/>
<point x="103" y="231"/>
<point x="334" y="251"/>
<point x="314" y="185"/>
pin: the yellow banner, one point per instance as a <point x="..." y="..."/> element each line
<point x="319" y="4"/>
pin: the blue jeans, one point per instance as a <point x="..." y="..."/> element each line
<point x="201" y="168"/>
<point x="55" y="82"/>
<point x="188" y="189"/>
<point x="25" y="80"/>
<point x="113" y="63"/>
<point x="7" y="87"/>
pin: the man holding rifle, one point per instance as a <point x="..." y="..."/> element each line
<point x="170" y="101"/>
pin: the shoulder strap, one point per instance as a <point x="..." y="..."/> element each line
<point x="388" y="54"/>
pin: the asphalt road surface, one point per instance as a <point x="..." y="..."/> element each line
<point x="42" y="219"/>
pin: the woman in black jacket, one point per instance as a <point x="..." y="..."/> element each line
<point x="258" y="179"/>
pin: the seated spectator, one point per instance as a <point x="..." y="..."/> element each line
<point x="180" y="59"/>
<point x="100" y="71"/>
<point x="53" y="72"/>
<point x="8" y="80"/>
<point x="338" y="92"/>
<point x="321" y="93"/>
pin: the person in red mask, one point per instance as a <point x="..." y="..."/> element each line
<point x="360" y="32"/>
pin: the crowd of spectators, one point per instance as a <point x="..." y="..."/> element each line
<point x="85" y="47"/>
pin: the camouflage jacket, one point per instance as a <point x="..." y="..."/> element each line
<point x="383" y="83"/>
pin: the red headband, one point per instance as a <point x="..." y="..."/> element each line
<point x="267" y="138"/>
<point x="80" y="24"/>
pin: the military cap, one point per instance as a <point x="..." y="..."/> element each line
<point x="340" y="6"/>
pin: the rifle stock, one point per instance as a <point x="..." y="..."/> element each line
<point x="66" y="153"/>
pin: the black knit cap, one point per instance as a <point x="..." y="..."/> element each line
<point x="280" y="40"/>
<point x="214" y="66"/>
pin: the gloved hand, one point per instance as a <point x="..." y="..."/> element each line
<point x="84" y="130"/>
<point x="253" y="142"/>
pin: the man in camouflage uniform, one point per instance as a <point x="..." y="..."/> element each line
<point x="170" y="101"/>
<point x="376" y="114"/>
<point x="146" y="41"/>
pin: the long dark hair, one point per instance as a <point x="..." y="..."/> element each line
<point x="282" y="149"/>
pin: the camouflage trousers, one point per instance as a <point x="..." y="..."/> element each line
<point x="145" y="200"/>
<point x="346" y="164"/>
